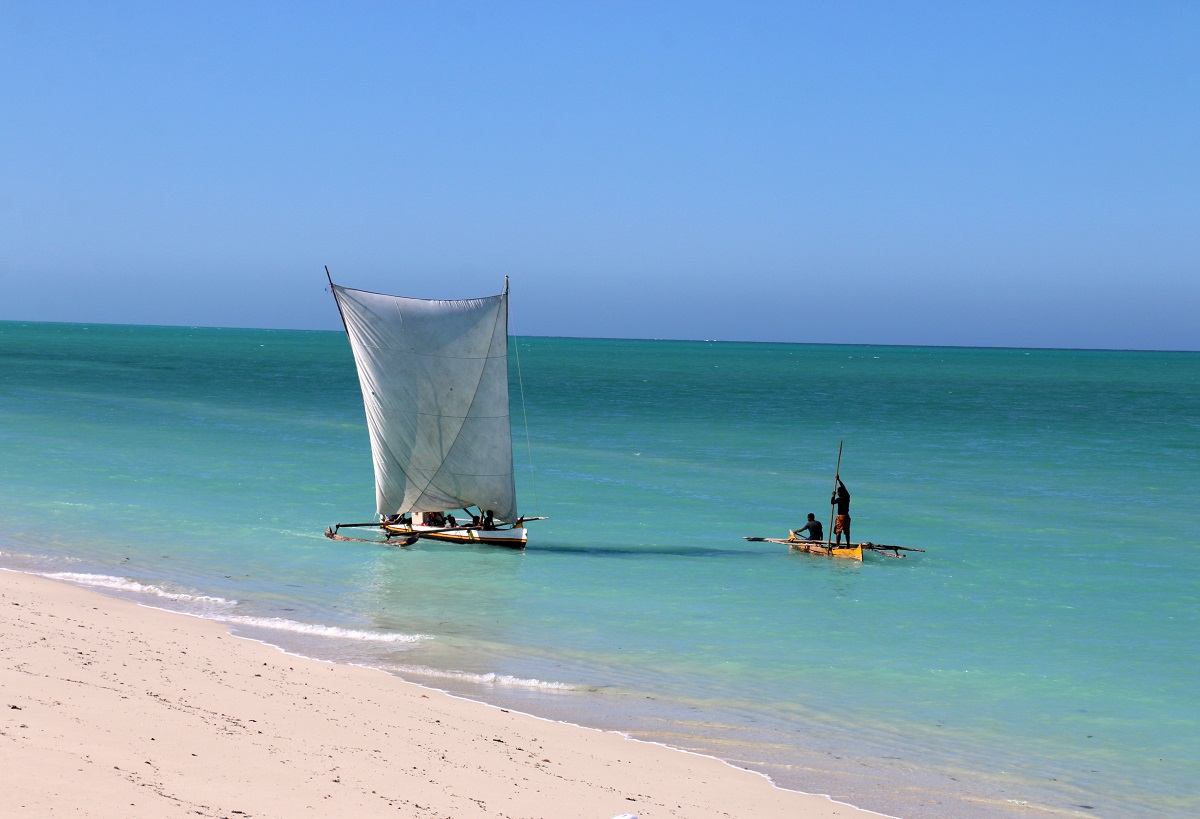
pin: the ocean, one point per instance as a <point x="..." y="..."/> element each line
<point x="1040" y="657"/>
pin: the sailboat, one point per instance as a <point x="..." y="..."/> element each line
<point x="434" y="378"/>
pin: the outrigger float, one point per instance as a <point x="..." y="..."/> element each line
<point x="434" y="379"/>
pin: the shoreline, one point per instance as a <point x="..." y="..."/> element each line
<point x="116" y="708"/>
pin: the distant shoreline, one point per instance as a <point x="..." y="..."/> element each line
<point x="870" y="345"/>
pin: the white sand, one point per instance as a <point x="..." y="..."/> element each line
<point x="112" y="709"/>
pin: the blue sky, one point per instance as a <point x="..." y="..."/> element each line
<point x="1012" y="174"/>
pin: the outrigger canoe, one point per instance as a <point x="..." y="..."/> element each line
<point x="851" y="551"/>
<point x="407" y="533"/>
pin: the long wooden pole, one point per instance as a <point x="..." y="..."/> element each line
<point x="336" y="301"/>
<point x="836" y="474"/>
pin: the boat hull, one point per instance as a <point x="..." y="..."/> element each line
<point x="853" y="551"/>
<point x="514" y="538"/>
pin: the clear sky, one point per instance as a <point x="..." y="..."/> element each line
<point x="966" y="173"/>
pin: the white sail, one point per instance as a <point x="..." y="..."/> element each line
<point x="434" y="377"/>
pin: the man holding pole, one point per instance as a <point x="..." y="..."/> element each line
<point x="841" y="499"/>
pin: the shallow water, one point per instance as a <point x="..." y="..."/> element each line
<point x="1042" y="651"/>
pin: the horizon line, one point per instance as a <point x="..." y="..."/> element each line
<point x="630" y="338"/>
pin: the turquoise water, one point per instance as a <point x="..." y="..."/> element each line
<point x="1040" y="657"/>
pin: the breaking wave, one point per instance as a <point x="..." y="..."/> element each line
<point x="104" y="581"/>
<point x="281" y="624"/>
<point x="209" y="602"/>
<point x="482" y="679"/>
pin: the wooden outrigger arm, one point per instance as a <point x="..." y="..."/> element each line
<point x="333" y="530"/>
<point x="407" y="541"/>
<point x="825" y="547"/>
<point x="407" y="538"/>
<point x="337" y="526"/>
<point x="883" y="549"/>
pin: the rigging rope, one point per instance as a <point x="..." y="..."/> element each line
<point x="525" y="417"/>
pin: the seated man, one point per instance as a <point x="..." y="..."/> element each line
<point x="809" y="531"/>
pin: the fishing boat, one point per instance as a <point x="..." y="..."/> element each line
<point x="434" y="378"/>
<point x="829" y="548"/>
<point x="850" y="551"/>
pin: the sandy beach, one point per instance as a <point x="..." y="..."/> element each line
<point x="115" y="709"/>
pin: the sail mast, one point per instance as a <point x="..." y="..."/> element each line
<point x="524" y="411"/>
<point x="336" y="300"/>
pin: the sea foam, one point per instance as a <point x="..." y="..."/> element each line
<point x="124" y="584"/>
<point x="282" y="624"/>
<point x="490" y="678"/>
<point x="104" y="581"/>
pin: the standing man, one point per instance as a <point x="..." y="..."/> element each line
<point x="809" y="531"/>
<point x="841" y="499"/>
